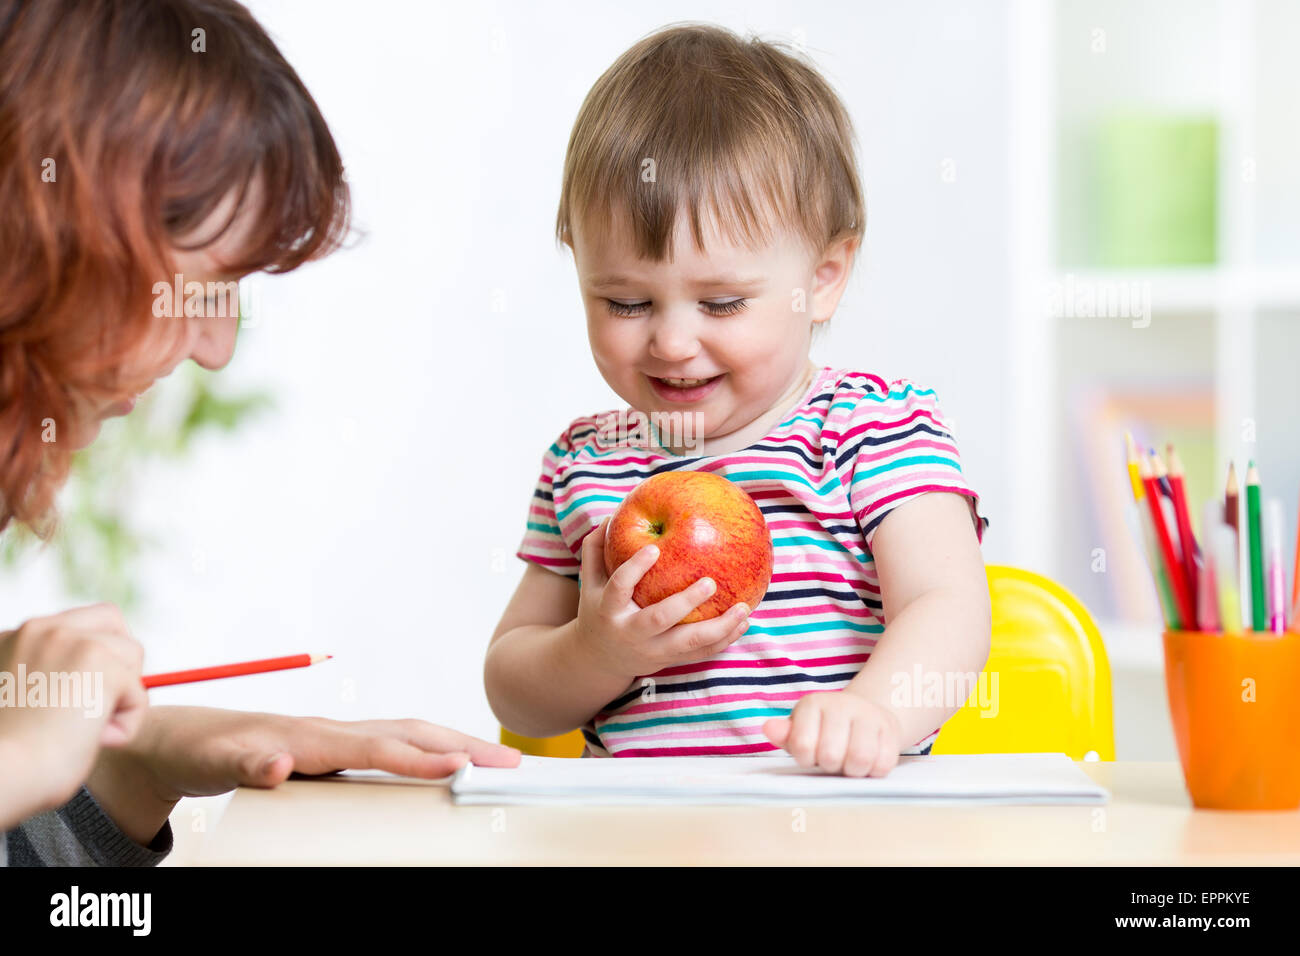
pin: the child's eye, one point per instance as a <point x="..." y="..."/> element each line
<point x="626" y="309"/>
<point x="725" y="308"/>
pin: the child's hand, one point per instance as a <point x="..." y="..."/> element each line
<point x="839" y="732"/>
<point x="629" y="641"/>
<point x="53" y="747"/>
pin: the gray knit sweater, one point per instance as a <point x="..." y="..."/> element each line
<point x="79" y="833"/>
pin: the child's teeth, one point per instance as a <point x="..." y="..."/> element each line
<point x="685" y="382"/>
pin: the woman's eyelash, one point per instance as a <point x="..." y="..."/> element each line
<point x="629" y="309"/>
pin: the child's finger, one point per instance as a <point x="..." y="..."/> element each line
<point x="833" y="741"/>
<point x="805" y="729"/>
<point x="591" y="569"/>
<point x="886" y="754"/>
<point x="622" y="583"/>
<point x="658" y="618"/>
<point x="864" y="744"/>
<point x="777" y="730"/>
<point x="733" y="635"/>
<point x="700" y="640"/>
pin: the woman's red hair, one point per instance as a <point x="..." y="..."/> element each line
<point x="147" y="135"/>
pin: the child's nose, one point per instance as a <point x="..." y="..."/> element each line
<point x="674" y="337"/>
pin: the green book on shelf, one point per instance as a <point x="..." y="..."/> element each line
<point x="1155" y="185"/>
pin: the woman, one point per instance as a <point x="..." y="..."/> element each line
<point x="141" y="140"/>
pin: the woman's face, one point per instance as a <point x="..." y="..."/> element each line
<point x="208" y="339"/>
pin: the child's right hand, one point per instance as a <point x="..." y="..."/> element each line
<point x="47" y="751"/>
<point x="631" y="641"/>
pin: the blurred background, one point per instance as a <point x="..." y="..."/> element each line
<point x="1081" y="219"/>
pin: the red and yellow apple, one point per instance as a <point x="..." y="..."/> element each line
<point x="704" y="526"/>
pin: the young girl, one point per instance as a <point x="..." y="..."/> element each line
<point x="711" y="200"/>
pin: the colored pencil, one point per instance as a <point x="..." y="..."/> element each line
<point x="1295" y="574"/>
<point x="1231" y="506"/>
<point x="234" y="670"/>
<point x="1186" y="540"/>
<point x="1173" y="568"/>
<point x="1134" y="473"/>
<point x="1258" y="605"/>
<point x="1140" y="515"/>
<point x="1139" y="525"/>
<point x="1207" y="592"/>
<point x="1277" y="606"/>
<point x="1224" y="544"/>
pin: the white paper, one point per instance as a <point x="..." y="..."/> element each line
<point x="945" y="779"/>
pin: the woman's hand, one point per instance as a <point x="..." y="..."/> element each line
<point x="839" y="732"/>
<point x="629" y="641"/>
<point x="200" y="751"/>
<point x="49" y="744"/>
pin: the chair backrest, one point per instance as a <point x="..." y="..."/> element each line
<point x="1045" y="688"/>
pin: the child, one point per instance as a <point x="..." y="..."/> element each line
<point x="711" y="200"/>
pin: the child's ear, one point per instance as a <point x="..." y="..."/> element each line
<point x="830" y="276"/>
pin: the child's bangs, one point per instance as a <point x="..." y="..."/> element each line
<point x="746" y="196"/>
<point x="742" y="198"/>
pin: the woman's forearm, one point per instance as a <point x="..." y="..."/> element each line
<point x="540" y="684"/>
<point x="935" y="647"/>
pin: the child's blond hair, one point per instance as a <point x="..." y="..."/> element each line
<point x="696" y="118"/>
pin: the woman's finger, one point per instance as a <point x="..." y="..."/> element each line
<point x="443" y="740"/>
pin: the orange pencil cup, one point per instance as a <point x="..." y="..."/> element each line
<point x="1235" y="703"/>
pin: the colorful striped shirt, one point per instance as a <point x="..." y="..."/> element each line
<point x="853" y="449"/>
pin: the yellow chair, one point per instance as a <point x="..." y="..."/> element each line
<point x="1047" y="679"/>
<point x="1045" y="688"/>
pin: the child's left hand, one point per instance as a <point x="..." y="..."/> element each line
<point x="839" y="732"/>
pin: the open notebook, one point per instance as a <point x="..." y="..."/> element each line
<point x="948" y="779"/>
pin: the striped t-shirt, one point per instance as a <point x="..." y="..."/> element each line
<point x="853" y="449"/>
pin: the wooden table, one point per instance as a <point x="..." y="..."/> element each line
<point x="359" y="821"/>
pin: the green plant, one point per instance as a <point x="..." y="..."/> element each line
<point x="97" y="543"/>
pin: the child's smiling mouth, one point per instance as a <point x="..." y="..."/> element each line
<point x="684" y="391"/>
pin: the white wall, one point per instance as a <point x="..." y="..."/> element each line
<point x="375" y="513"/>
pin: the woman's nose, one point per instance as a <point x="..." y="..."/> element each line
<point x="674" y="337"/>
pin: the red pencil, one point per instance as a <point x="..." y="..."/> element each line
<point x="1177" y="580"/>
<point x="234" y="670"/>
<point x="1186" y="541"/>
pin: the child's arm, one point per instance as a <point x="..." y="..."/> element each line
<point x="936" y="608"/>
<point x="537" y="684"/>
<point x="937" y="614"/>
<point x="561" y="653"/>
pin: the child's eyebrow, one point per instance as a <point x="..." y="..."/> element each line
<point x="609" y="281"/>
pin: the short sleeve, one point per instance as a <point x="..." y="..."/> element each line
<point x="900" y="445"/>
<point x="543" y="541"/>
